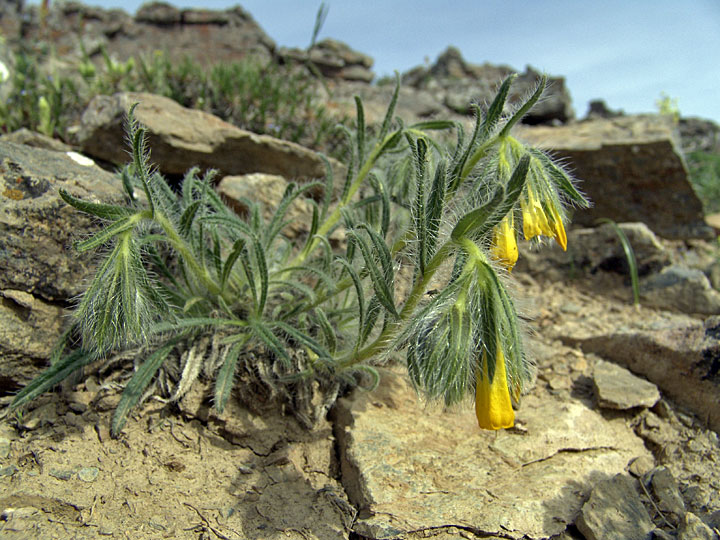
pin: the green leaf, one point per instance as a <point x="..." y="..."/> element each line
<point x="381" y="279"/>
<point x="303" y="339"/>
<point x="327" y="330"/>
<point x="55" y="374"/>
<point x="525" y="108"/>
<point x="261" y="264"/>
<point x="495" y="111"/>
<point x="382" y="194"/>
<point x="104" y="211"/>
<point x="561" y="179"/>
<point x="419" y="150"/>
<point x="119" y="226"/>
<point x="629" y="256"/>
<point x="187" y="217"/>
<point x="435" y="207"/>
<point x="391" y="109"/>
<point x="232" y="258"/>
<point x="226" y="375"/>
<point x="476" y="218"/>
<point x="373" y="312"/>
<point x="292" y="192"/>
<point x="137" y="385"/>
<point x="360" y="129"/>
<point x="270" y="340"/>
<point x="434" y="125"/>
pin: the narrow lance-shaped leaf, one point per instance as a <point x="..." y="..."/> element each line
<point x="232" y="258"/>
<point x="358" y="292"/>
<point x="435" y="206"/>
<point x="226" y="375"/>
<point x="360" y="130"/>
<point x="525" y="108"/>
<point x="419" y="150"/>
<point x="391" y="109"/>
<point x="104" y="211"/>
<point x="55" y="374"/>
<point x="327" y="330"/>
<point x="495" y="111"/>
<point x="106" y="234"/>
<point x="270" y="340"/>
<point x="378" y="277"/>
<point x="138" y="383"/>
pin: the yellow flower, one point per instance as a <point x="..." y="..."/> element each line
<point x="504" y="246"/>
<point x="537" y="223"/>
<point x="493" y="406"/>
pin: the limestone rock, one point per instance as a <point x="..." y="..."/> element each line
<point x="681" y="289"/>
<point x="29" y="329"/>
<point x="410" y="467"/>
<point x="35" y="139"/>
<point x="457" y="84"/>
<point x="590" y="250"/>
<point x="692" y="528"/>
<point x="202" y="35"/>
<point x="617" y="388"/>
<point x="180" y="138"/>
<point x="37" y="228"/>
<point x="667" y="493"/>
<point x="615" y="510"/>
<point x="632" y="170"/>
<point x="334" y="59"/>
<point x="677" y="353"/>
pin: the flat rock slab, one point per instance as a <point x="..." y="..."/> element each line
<point x="632" y="170"/>
<point x="618" y="388"/>
<point x="408" y="467"/>
<point x="180" y="138"/>
<point x="615" y="510"/>
<point x="678" y="353"/>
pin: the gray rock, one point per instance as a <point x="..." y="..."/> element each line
<point x="36" y="140"/>
<point x="681" y="289"/>
<point x="667" y="493"/>
<point x="8" y="470"/>
<point x="334" y="59"/>
<point x="692" y="528"/>
<point x="617" y="388"/>
<point x="615" y="510"/>
<point x="408" y="466"/>
<point x="205" y="36"/>
<point x="37" y="228"/>
<point x="632" y="170"/>
<point x="180" y="138"/>
<point x="88" y="474"/>
<point x="676" y="352"/>
<point x="590" y="250"/>
<point x="457" y="84"/>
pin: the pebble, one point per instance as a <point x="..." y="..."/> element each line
<point x="666" y="491"/>
<point x="617" y="388"/>
<point x="8" y="471"/>
<point x="88" y="474"/>
<point x="4" y="447"/>
<point x="640" y="466"/>
<point x="61" y="474"/>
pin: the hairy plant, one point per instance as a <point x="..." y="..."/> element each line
<point x="182" y="268"/>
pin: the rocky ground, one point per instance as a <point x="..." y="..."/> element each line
<point x="617" y="438"/>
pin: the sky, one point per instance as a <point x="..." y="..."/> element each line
<point x="627" y="52"/>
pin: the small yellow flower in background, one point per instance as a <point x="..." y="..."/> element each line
<point x="493" y="406"/>
<point x="536" y="221"/>
<point x="504" y="245"/>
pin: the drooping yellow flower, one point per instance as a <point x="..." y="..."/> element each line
<point x="537" y="223"/>
<point x="493" y="406"/>
<point x="504" y="245"/>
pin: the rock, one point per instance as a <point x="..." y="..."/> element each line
<point x="699" y="134"/>
<point x="37" y="228"/>
<point x="597" y="108"/>
<point x="617" y="388"/>
<point x="29" y="329"/>
<point x="590" y="250"/>
<point x="631" y="169"/>
<point x="692" y="528"/>
<point x="641" y="466"/>
<point x="334" y="59"/>
<point x="667" y="493"/>
<point x="181" y="138"/>
<point x="204" y="36"/>
<point x="88" y="474"/>
<point x="457" y="84"/>
<point x="35" y="139"/>
<point x="615" y="510"/>
<point x="410" y="467"/>
<point x="679" y="354"/>
<point x="681" y="289"/>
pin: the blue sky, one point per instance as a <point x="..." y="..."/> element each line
<point x="627" y="52"/>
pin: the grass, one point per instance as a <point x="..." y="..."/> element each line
<point x="704" y="168"/>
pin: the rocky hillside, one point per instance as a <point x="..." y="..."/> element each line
<point x="617" y="438"/>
